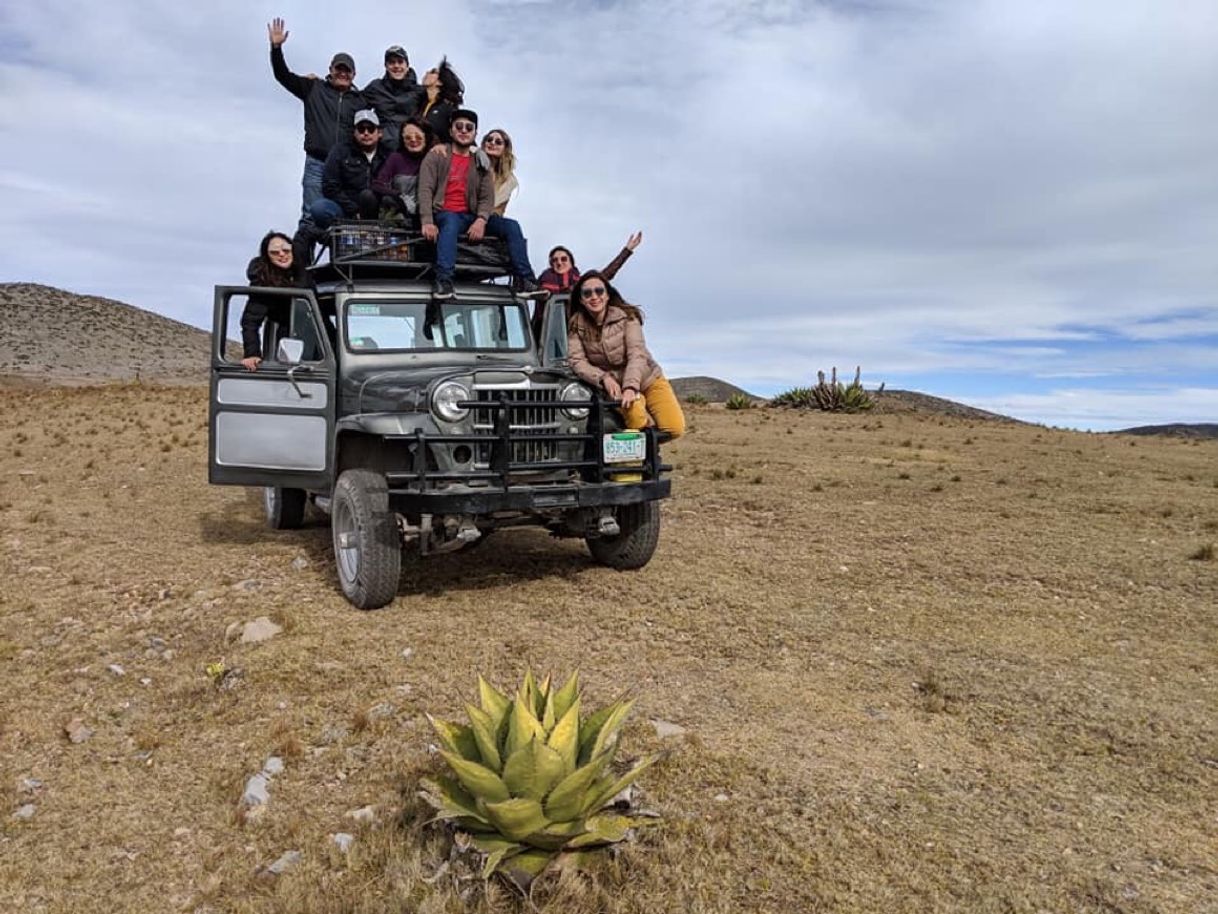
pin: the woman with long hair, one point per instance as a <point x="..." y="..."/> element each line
<point x="397" y="183"/>
<point x="606" y="349"/>
<point x="498" y="147"/>
<point x="562" y="273"/>
<point x="280" y="266"/>
<point x="442" y="94"/>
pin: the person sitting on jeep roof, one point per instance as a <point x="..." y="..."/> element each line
<point x="394" y="96"/>
<point x="347" y="182"/>
<point x="562" y="273"/>
<point x="456" y="195"/>
<point x="328" y="106"/>
<point x="440" y="94"/>
<point x="498" y="147"/>
<point x="606" y="348"/>
<point x="277" y="265"/>
<point x="397" y="182"/>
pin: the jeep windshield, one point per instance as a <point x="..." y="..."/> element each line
<point x="384" y="326"/>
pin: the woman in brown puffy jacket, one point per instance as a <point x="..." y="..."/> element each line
<point x="606" y="349"/>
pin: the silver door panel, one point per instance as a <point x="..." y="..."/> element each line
<point x="267" y="392"/>
<point x="270" y="441"/>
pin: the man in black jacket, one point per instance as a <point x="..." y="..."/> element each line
<point x="347" y="176"/>
<point x="395" y="96"/>
<point x="329" y="105"/>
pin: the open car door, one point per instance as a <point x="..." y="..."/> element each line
<point x="273" y="426"/>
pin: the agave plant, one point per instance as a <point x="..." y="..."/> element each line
<point x="532" y="777"/>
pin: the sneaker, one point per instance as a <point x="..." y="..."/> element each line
<point x="442" y="290"/>
<point x="528" y="288"/>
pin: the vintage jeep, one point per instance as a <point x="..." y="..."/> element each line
<point x="409" y="421"/>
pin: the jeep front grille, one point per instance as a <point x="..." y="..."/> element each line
<point x="542" y="419"/>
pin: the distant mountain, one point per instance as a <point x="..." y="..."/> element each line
<point x="1174" y="430"/>
<point x="714" y="390"/>
<point x="911" y="401"/>
<point x="47" y="334"/>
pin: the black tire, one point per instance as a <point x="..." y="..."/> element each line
<point x="367" y="550"/>
<point x="634" y="546"/>
<point x="285" y="508"/>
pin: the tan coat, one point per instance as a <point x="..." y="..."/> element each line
<point x="616" y="348"/>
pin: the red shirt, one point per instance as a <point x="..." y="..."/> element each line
<point x="454" y="190"/>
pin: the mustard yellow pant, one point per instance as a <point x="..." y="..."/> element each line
<point x="657" y="404"/>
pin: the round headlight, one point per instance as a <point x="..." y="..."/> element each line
<point x="444" y="400"/>
<point x="575" y="391"/>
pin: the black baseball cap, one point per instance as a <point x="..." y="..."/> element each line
<point x="343" y="59"/>
<point x="396" y="50"/>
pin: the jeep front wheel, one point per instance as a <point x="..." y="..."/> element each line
<point x="367" y="551"/>
<point x="635" y="543"/>
<point x="285" y="508"/>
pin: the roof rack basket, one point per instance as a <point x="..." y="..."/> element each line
<point x="369" y="248"/>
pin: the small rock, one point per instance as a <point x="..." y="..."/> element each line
<point x="181" y="831"/>
<point x="288" y="860"/>
<point x="343" y="840"/>
<point x="255" y="791"/>
<point x="721" y="798"/>
<point x="116" y="670"/>
<point x="157" y="644"/>
<point x="261" y="629"/>
<point x="28" y="785"/>
<point x="407" y="653"/>
<point x="384" y="709"/>
<point x="76" y="731"/>
<point x="300" y="563"/>
<point x="666" y="728"/>
<point x="273" y="766"/>
<point x="145" y="681"/>
<point x="365" y="815"/>
<point x="231" y="679"/>
<point x="168" y="654"/>
<point x="232" y="631"/>
<point x="38" y="569"/>
<point x="333" y="733"/>
<point x="248" y="585"/>
<point x="26" y="812"/>
<point x="164" y="593"/>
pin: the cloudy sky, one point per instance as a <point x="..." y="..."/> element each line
<point x="1012" y="204"/>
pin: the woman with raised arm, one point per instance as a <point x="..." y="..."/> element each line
<point x="562" y="273"/>
<point x="606" y="348"/>
<point x="397" y="183"/>
<point x="498" y="147"/>
<point x="279" y="265"/>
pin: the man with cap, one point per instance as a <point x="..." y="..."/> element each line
<point x="329" y="105"/>
<point x="395" y="96"/>
<point x="457" y="195"/>
<point x="348" y="173"/>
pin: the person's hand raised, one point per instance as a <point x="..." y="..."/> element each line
<point x="634" y="241"/>
<point x="276" y="32"/>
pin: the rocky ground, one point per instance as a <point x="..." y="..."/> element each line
<point x="903" y="662"/>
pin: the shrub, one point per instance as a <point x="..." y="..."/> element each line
<point x="831" y="395"/>
<point x="739" y="401"/>
<point x="696" y="400"/>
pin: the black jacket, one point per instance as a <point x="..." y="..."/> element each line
<point x="261" y="307"/>
<point x="439" y="117"/>
<point x="395" y="100"/>
<point x="328" y="113"/>
<point x="348" y="172"/>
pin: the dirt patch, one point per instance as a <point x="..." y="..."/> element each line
<point x="923" y="663"/>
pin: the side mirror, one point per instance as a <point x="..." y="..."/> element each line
<point x="290" y="351"/>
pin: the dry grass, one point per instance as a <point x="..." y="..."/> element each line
<point x="907" y="687"/>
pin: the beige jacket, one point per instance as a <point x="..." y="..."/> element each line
<point x="616" y="348"/>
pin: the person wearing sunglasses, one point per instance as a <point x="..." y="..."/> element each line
<point x="347" y="180"/>
<point x="276" y="265"/>
<point x="457" y="196"/>
<point x="562" y="273"/>
<point x="607" y="350"/>
<point x="329" y="105"/>
<point x="498" y="147"/>
<point x="397" y="183"/>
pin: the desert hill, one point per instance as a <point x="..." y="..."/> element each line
<point x="51" y="335"/>
<point x="1175" y="430"/>
<point x="714" y="390"/>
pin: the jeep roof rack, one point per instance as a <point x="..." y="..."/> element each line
<point x="370" y="249"/>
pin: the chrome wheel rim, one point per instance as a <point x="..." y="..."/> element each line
<point x="268" y="501"/>
<point x="346" y="542"/>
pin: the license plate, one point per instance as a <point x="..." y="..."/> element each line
<point x="625" y="447"/>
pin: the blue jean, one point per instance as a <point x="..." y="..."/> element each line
<point x="310" y="184"/>
<point x="453" y="225"/>
<point x="323" y="213"/>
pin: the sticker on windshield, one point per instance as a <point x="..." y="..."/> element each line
<point x="366" y="310"/>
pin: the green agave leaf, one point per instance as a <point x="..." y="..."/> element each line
<point x="608" y="791"/>
<point x="547" y="713"/>
<point x="608" y="733"/>
<point x="494" y="702"/>
<point x="522" y="869"/>
<point x="474" y="826"/>
<point x="571" y="795"/>
<point x="457" y="738"/>
<point x="591" y="728"/>
<point x="564" y="737"/>
<point x="557" y="835"/>
<point x="606" y="829"/>
<point x="532" y="770"/>
<point x="479" y="780"/>
<point x="523" y="726"/>
<point x="517" y="818"/>
<point x="527" y="693"/>
<point x="497" y="850"/>
<point x="543" y="690"/>
<point x="449" y="798"/>
<point x="565" y="697"/>
<point x="484" y="735"/>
